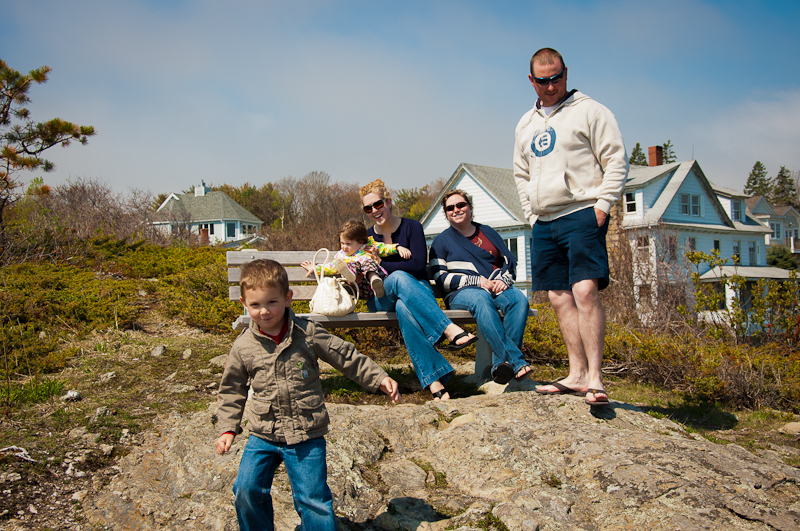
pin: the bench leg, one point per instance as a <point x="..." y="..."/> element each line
<point x="483" y="361"/>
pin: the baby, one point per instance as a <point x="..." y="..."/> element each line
<point x="356" y="263"/>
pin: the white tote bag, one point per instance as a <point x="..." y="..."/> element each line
<point x="332" y="296"/>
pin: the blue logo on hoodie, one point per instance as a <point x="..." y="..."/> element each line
<point x="543" y="142"/>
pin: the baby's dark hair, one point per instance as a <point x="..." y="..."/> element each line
<point x="262" y="274"/>
<point x="354" y="230"/>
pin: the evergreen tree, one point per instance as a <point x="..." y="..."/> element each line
<point x="780" y="256"/>
<point x="757" y="182"/>
<point x="784" y="191"/>
<point x="637" y="156"/>
<point x="22" y="141"/>
<point x="669" y="153"/>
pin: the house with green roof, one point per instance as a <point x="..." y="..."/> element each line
<point x="213" y="216"/>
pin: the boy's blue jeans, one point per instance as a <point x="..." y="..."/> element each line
<point x="308" y="472"/>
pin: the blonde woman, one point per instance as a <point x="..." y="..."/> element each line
<point x="408" y="292"/>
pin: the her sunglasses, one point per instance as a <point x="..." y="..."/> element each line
<point x="376" y="205"/>
<point x="461" y="206"/>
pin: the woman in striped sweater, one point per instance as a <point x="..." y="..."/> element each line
<point x="473" y="265"/>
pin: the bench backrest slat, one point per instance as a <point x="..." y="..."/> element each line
<point x="291" y="261"/>
<point x="299" y="293"/>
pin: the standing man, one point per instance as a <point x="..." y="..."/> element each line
<point x="570" y="166"/>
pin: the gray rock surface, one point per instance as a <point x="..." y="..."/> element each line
<point x="529" y="461"/>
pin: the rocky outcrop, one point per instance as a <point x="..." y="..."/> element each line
<point x="528" y="461"/>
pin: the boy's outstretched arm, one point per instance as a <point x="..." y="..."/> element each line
<point x="224" y="442"/>
<point x="391" y="389"/>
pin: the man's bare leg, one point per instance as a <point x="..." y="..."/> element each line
<point x="563" y="303"/>
<point x="592" y="329"/>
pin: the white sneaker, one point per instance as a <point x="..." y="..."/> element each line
<point x="377" y="286"/>
<point x="341" y="267"/>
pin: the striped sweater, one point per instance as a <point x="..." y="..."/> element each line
<point x="457" y="263"/>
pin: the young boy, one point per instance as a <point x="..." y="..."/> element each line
<point x="287" y="418"/>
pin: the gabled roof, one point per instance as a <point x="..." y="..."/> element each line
<point x="640" y="176"/>
<point x="679" y="171"/>
<point x="782" y="210"/>
<point x="213" y="206"/>
<point x="498" y="182"/>
<point x="759" y="202"/>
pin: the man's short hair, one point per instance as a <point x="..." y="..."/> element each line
<point x="261" y="274"/>
<point x="546" y="56"/>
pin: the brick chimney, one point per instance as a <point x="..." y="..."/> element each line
<point x="655" y="155"/>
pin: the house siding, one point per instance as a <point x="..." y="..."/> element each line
<point x="708" y="215"/>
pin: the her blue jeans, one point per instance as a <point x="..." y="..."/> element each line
<point x="308" y="473"/>
<point x="503" y="335"/>
<point x="422" y="323"/>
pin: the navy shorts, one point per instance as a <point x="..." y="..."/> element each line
<point x="567" y="250"/>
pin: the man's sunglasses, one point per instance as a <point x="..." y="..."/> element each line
<point x="552" y="79"/>
<point x="376" y="205"/>
<point x="461" y="206"/>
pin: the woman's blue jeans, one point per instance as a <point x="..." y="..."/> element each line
<point x="503" y="335"/>
<point x="422" y="323"/>
<point x="308" y="473"/>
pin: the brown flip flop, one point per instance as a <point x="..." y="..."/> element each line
<point x="603" y="401"/>
<point x="561" y="389"/>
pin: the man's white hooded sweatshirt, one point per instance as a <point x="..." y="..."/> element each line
<point x="570" y="160"/>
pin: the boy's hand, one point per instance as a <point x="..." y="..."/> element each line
<point x="308" y="267"/>
<point x="224" y="443"/>
<point x="391" y="389"/>
<point x="403" y="252"/>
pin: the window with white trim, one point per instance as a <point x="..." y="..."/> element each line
<point x="736" y="210"/>
<point x="737" y="251"/>
<point x="776" y="230"/>
<point x="511" y="243"/>
<point x="690" y="205"/>
<point x="753" y="252"/>
<point x="630" y="202"/>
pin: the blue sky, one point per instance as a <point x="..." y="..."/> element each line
<point x="252" y="91"/>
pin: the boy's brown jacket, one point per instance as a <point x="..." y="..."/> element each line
<point x="287" y="403"/>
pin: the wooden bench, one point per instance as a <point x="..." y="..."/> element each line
<point x="297" y="276"/>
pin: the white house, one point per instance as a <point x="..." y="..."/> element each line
<point x="208" y="214"/>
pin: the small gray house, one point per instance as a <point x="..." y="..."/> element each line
<point x="213" y="216"/>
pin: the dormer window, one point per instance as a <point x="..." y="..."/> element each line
<point x="736" y="209"/>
